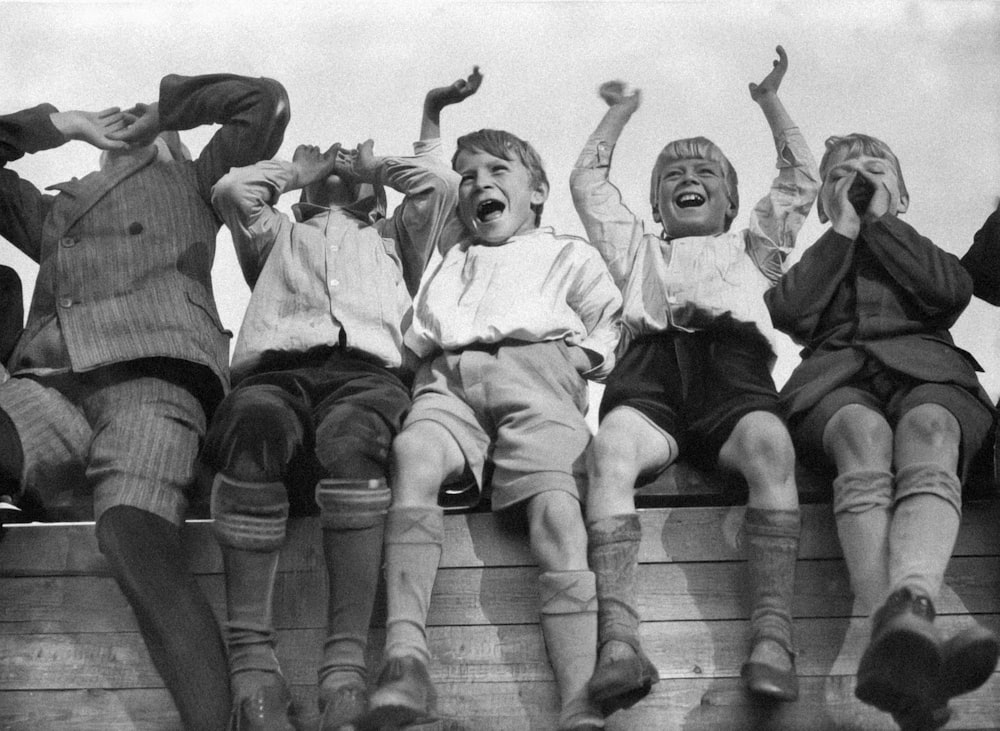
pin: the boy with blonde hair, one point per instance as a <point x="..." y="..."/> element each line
<point x="885" y="396"/>
<point x="510" y="324"/>
<point x="693" y="377"/>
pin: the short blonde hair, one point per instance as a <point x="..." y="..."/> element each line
<point x="856" y="144"/>
<point x="696" y="148"/>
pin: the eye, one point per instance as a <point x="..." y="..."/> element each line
<point x="708" y="172"/>
<point x="671" y="174"/>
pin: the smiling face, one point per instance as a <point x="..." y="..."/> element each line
<point x="693" y="198"/>
<point x="497" y="197"/>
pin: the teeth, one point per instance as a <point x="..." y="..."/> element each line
<point x="686" y="200"/>
<point x="489" y="209"/>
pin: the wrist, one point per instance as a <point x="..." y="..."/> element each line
<point x="63" y="122"/>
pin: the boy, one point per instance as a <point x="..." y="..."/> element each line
<point x="510" y="323"/>
<point x="885" y="396"/>
<point x="123" y="355"/>
<point x="320" y="390"/>
<point x="694" y="380"/>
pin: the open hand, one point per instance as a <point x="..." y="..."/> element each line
<point x="613" y="93"/>
<point x="772" y="81"/>
<point x="142" y="125"/>
<point x="359" y="163"/>
<point x="312" y="165"/>
<point x="99" y="129"/>
<point x="456" y="92"/>
<point x="838" y="207"/>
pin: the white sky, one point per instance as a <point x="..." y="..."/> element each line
<point x="924" y="76"/>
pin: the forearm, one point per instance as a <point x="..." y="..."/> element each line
<point x="430" y="121"/>
<point x="934" y="278"/>
<point x="29" y="131"/>
<point x="775" y="113"/>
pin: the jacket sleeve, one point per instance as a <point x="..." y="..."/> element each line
<point x="244" y="200"/>
<point x="253" y="114"/>
<point x="799" y="298"/>
<point x="23" y="207"/>
<point x="778" y="217"/>
<point x="614" y="230"/>
<point x="427" y="214"/>
<point x="935" y="280"/>
<point x="982" y="260"/>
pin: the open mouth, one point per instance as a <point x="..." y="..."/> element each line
<point x="489" y="210"/>
<point x="690" y="200"/>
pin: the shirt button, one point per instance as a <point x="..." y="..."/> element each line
<point x="66" y="302"/>
<point x="135" y="228"/>
<point x="334" y="282"/>
<point x="67" y="242"/>
<point x="334" y="247"/>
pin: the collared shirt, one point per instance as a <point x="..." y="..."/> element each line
<point x="686" y="283"/>
<point x="534" y="287"/>
<point x="332" y="275"/>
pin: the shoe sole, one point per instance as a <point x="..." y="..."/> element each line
<point x="618" y="693"/>
<point x="969" y="664"/>
<point x="899" y="671"/>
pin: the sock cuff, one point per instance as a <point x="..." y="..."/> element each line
<point x="249" y="515"/>
<point x="929" y="478"/>
<point x="567" y="592"/>
<point x="352" y="504"/>
<point x="859" y="491"/>
<point x="415" y="525"/>
<point x="621" y="528"/>
<point x="771" y="523"/>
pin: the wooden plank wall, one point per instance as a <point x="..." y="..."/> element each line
<point x="72" y="657"/>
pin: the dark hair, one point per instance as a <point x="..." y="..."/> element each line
<point x="506" y="146"/>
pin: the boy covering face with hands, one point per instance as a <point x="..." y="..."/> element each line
<point x="885" y="396"/>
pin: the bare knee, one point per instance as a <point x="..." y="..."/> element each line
<point x="557" y="533"/>
<point x="424" y="455"/>
<point x="760" y="445"/>
<point x="931" y="425"/>
<point x="856" y="437"/>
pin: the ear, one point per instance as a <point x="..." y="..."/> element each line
<point x="540" y="193"/>
<point x="904" y="203"/>
<point x="823" y="218"/>
<point x="732" y="211"/>
<point x="656" y="214"/>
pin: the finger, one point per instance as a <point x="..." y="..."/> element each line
<point x="782" y="61"/>
<point x="109" y="112"/>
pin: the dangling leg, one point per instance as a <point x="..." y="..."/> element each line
<point x="761" y="449"/>
<point x="423" y="456"/>
<point x="146" y="435"/>
<point x="568" y="604"/>
<point x="626" y="444"/>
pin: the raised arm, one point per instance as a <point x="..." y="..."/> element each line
<point x="252" y="112"/>
<point x="244" y="200"/>
<point x="23" y="207"/>
<point x="982" y="260"/>
<point x="778" y="217"/>
<point x="425" y="218"/>
<point x="443" y="96"/>
<point x="613" y="229"/>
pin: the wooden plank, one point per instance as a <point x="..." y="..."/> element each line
<point x="669" y="534"/>
<point x="678" y="591"/>
<point x="692" y="704"/>
<point x="490" y="653"/>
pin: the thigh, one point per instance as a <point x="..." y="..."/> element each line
<point x="146" y="435"/>
<point x="648" y="380"/>
<point x="53" y="437"/>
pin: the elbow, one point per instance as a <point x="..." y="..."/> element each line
<point x="225" y="190"/>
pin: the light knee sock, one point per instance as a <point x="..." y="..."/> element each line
<point x="862" y="502"/>
<point x="413" y="540"/>
<point x="924" y="527"/>
<point x="569" y="627"/>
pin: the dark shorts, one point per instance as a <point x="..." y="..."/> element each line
<point x="695" y="386"/>
<point x="891" y="394"/>
<point x="325" y="413"/>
